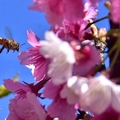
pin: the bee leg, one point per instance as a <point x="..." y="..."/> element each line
<point x="2" y="49"/>
<point x="7" y="50"/>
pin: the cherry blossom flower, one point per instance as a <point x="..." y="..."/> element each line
<point x="32" y="57"/>
<point x="27" y="108"/>
<point x="76" y="29"/>
<point x="96" y="94"/>
<point x="59" y="107"/>
<point x="61" y="55"/>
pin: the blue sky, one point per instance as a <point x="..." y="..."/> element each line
<point x="15" y="15"/>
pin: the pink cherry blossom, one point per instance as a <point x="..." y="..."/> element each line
<point x="59" y="107"/>
<point x="115" y="7"/>
<point x="61" y="55"/>
<point x="96" y="94"/>
<point x="27" y="108"/>
<point x="33" y="57"/>
<point x="76" y="29"/>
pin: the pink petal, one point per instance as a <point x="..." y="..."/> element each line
<point x="50" y="90"/>
<point x="28" y="108"/>
<point x="59" y="108"/>
<point x="34" y="58"/>
<point x="115" y="6"/>
<point x="17" y="87"/>
<point x="94" y="2"/>
<point x="28" y="105"/>
<point x="40" y="70"/>
<point x="109" y="114"/>
<point x="73" y="10"/>
<point x="91" y="13"/>
<point x="33" y="39"/>
<point x="52" y="8"/>
<point x="85" y="65"/>
<point x="13" y="86"/>
<point x="25" y="58"/>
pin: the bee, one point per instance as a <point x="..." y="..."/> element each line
<point x="9" y="45"/>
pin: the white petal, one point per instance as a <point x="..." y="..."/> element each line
<point x="48" y="50"/>
<point x="61" y="55"/>
<point x="68" y="94"/>
<point x="84" y="88"/>
<point x="98" y="97"/>
<point x="59" y="74"/>
<point x="50" y="36"/>
<point x="77" y="84"/>
<point x="116" y="97"/>
<point x="68" y="52"/>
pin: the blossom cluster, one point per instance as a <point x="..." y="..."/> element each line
<point x="65" y="65"/>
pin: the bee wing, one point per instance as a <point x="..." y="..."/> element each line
<point x="8" y="33"/>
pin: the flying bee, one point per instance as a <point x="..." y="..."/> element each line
<point x="9" y="44"/>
